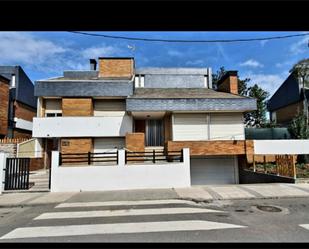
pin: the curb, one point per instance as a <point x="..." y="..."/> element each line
<point x="195" y="200"/>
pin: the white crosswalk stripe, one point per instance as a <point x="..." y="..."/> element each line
<point x="123" y="203"/>
<point x="139" y="227"/>
<point x="306" y="226"/>
<point x="122" y="227"/>
<point x="123" y="212"/>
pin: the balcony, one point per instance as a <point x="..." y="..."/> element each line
<point x="82" y="126"/>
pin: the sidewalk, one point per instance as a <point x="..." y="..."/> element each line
<point x="197" y="193"/>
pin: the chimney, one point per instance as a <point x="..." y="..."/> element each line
<point x="228" y="83"/>
<point x="117" y="67"/>
<point x="93" y="65"/>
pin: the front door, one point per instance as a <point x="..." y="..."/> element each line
<point x="154" y="132"/>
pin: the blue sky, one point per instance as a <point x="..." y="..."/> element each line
<point x="48" y="54"/>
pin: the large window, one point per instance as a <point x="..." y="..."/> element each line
<point x="53" y="108"/>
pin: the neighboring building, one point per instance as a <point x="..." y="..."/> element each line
<point x="118" y="106"/>
<point x="4" y="105"/>
<point x="20" y="103"/>
<point x="287" y="101"/>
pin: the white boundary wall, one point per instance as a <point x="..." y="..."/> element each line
<point x="3" y="157"/>
<point x="281" y="147"/>
<point x="121" y="176"/>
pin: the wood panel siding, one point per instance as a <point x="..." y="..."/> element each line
<point x="18" y="133"/>
<point x="213" y="148"/>
<point x="77" y="107"/>
<point x="76" y="145"/>
<point x="24" y="112"/>
<point x="140" y="126"/>
<point x="135" y="141"/>
<point x="287" y="113"/>
<point x="167" y="127"/>
<point x="4" y="106"/>
<point x="116" y="68"/>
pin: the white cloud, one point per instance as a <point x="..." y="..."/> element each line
<point x="102" y="50"/>
<point x="195" y="63"/>
<point x="175" y="53"/>
<point x="263" y="43"/>
<point x="269" y="82"/>
<point x="25" y="49"/>
<point x="251" y="63"/>
<point x="20" y="48"/>
<point x="300" y="46"/>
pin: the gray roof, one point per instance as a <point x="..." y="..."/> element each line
<point x="85" y="75"/>
<point x="171" y="70"/>
<point x="182" y="93"/>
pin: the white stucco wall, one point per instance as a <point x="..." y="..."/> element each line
<point x="82" y="126"/>
<point x="281" y="147"/>
<point x="119" y="177"/>
<point x="3" y="157"/>
<point x="23" y="124"/>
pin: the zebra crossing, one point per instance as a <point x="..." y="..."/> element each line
<point x="101" y="213"/>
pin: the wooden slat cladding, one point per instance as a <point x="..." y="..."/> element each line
<point x="116" y="67"/>
<point x="4" y="105"/>
<point x="212" y="148"/>
<point x="76" y="145"/>
<point x="287" y="113"/>
<point x="24" y="112"/>
<point x="167" y="127"/>
<point x="135" y="141"/>
<point x="77" y="107"/>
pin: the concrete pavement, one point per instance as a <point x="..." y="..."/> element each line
<point x="207" y="193"/>
<point x="169" y="220"/>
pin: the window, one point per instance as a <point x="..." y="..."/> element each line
<point x="53" y="108"/>
<point x="139" y="80"/>
<point x="51" y="114"/>
<point x="13" y="81"/>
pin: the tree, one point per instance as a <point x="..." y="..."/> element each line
<point x="301" y="71"/>
<point x="298" y="127"/>
<point x="255" y="118"/>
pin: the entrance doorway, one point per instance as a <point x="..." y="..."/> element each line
<point x="153" y="130"/>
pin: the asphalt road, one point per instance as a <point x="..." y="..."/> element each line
<point x="159" y="221"/>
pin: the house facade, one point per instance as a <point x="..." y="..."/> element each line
<point x="288" y="101"/>
<point x="117" y="106"/>
<point x="18" y="104"/>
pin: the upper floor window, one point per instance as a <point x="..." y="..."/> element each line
<point x="13" y="81"/>
<point x="49" y="114"/>
<point x="139" y="80"/>
<point x="53" y="108"/>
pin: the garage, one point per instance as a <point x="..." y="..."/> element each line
<point x="108" y="144"/>
<point x="213" y="170"/>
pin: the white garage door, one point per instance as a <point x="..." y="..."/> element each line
<point x="213" y="170"/>
<point x="108" y="144"/>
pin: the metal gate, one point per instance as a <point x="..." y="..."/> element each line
<point x="17" y="173"/>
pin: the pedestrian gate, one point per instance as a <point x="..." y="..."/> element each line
<point x="17" y="173"/>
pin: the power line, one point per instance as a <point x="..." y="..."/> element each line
<point x="189" y="41"/>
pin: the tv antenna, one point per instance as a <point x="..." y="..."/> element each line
<point x="132" y="48"/>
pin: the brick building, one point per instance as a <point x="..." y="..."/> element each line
<point x="18" y="104"/>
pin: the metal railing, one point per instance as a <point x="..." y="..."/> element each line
<point x="153" y="156"/>
<point x="89" y="158"/>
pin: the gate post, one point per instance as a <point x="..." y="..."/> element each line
<point x="3" y="157"/>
